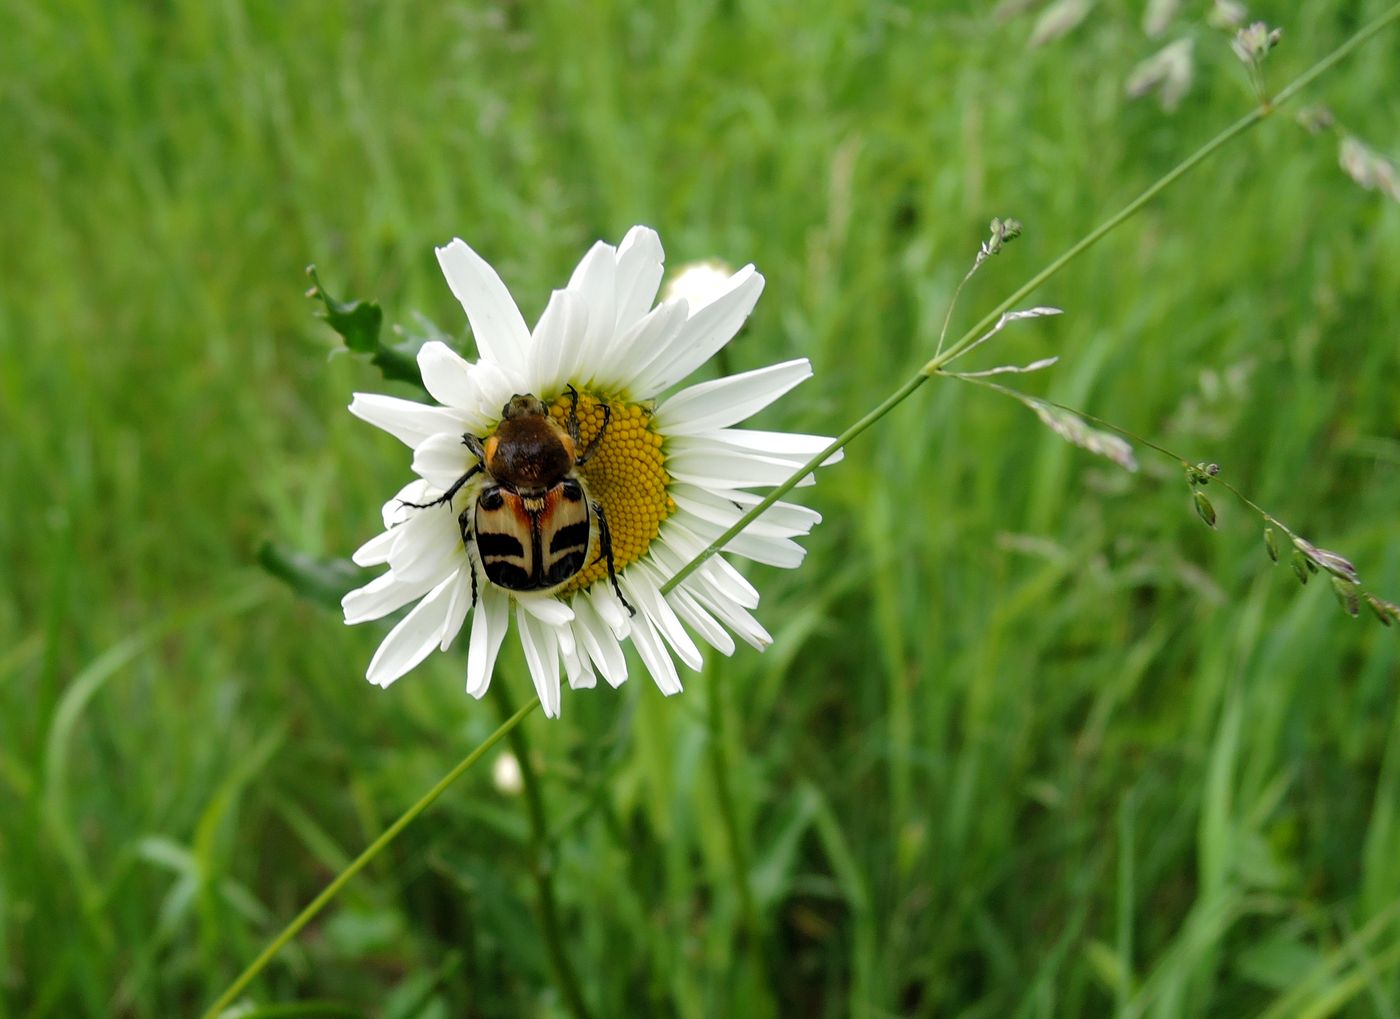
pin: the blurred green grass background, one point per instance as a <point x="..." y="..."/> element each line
<point x="1031" y="740"/>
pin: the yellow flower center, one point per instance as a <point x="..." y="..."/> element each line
<point x="626" y="476"/>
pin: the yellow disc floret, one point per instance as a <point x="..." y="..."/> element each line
<point x="626" y="476"/>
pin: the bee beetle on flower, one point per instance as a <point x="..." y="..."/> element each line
<point x="566" y="468"/>
<point x="533" y="525"/>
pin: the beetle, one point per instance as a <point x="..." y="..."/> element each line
<point x="533" y="522"/>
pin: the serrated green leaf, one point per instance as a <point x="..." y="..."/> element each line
<point x="360" y="324"/>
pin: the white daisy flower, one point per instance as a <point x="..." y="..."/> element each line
<point x="668" y="474"/>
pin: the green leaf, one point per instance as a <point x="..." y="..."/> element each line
<point x="324" y="581"/>
<point x="359" y="324"/>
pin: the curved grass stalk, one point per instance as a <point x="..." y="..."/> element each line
<point x="360" y="862"/>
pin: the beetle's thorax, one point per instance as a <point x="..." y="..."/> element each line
<point x="529" y="454"/>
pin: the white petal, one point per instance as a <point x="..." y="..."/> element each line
<point x="723" y="402"/>
<point x="701" y="621"/>
<point x="768" y="549"/>
<point x="597" y="640"/>
<point x="496" y="389"/>
<point x="725" y="512"/>
<point x="677" y="545"/>
<point x="655" y="658"/>
<point x="787" y="515"/>
<point x="414" y="638"/>
<point x="643" y="590"/>
<point x="542" y="656"/>
<point x="384" y="594"/>
<point x="725" y="582"/>
<point x="405" y="420"/>
<point x="497" y="327"/>
<point x="374" y="551"/>
<point x="792" y="446"/>
<point x="610" y="610"/>
<point x="576" y="668"/>
<point x="447" y="376"/>
<point x="734" y="617"/>
<point x="707" y="330"/>
<point x="441" y="460"/>
<point x="395" y="512"/>
<point x="427" y="545"/>
<point x="489" y="624"/>
<point x="595" y="283"/>
<point x="565" y="635"/>
<point x="546" y="608"/>
<point x="639" y="270"/>
<point x="457" y="608"/>
<point x="554" y="350"/>
<point x="645" y="342"/>
<point x="730" y="470"/>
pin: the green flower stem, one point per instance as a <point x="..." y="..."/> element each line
<point x="935" y="366"/>
<point x="541" y="865"/>
<point x="360" y="862"/>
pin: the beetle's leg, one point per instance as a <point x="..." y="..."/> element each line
<point x="572" y="422"/>
<point x="472" y="443"/>
<point x="605" y="544"/>
<point x="587" y="454"/>
<point x="464" y="521"/>
<point x="446" y="496"/>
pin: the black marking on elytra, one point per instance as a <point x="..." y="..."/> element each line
<point x="570" y="536"/>
<point x="565" y="567"/>
<point x="507" y="575"/>
<point x="495" y="543"/>
<point x="491" y="498"/>
<point x="571" y="490"/>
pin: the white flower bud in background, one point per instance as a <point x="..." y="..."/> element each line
<point x="698" y="282"/>
<point x="505" y="774"/>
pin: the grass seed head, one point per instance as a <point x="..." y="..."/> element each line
<point x="1347" y="596"/>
